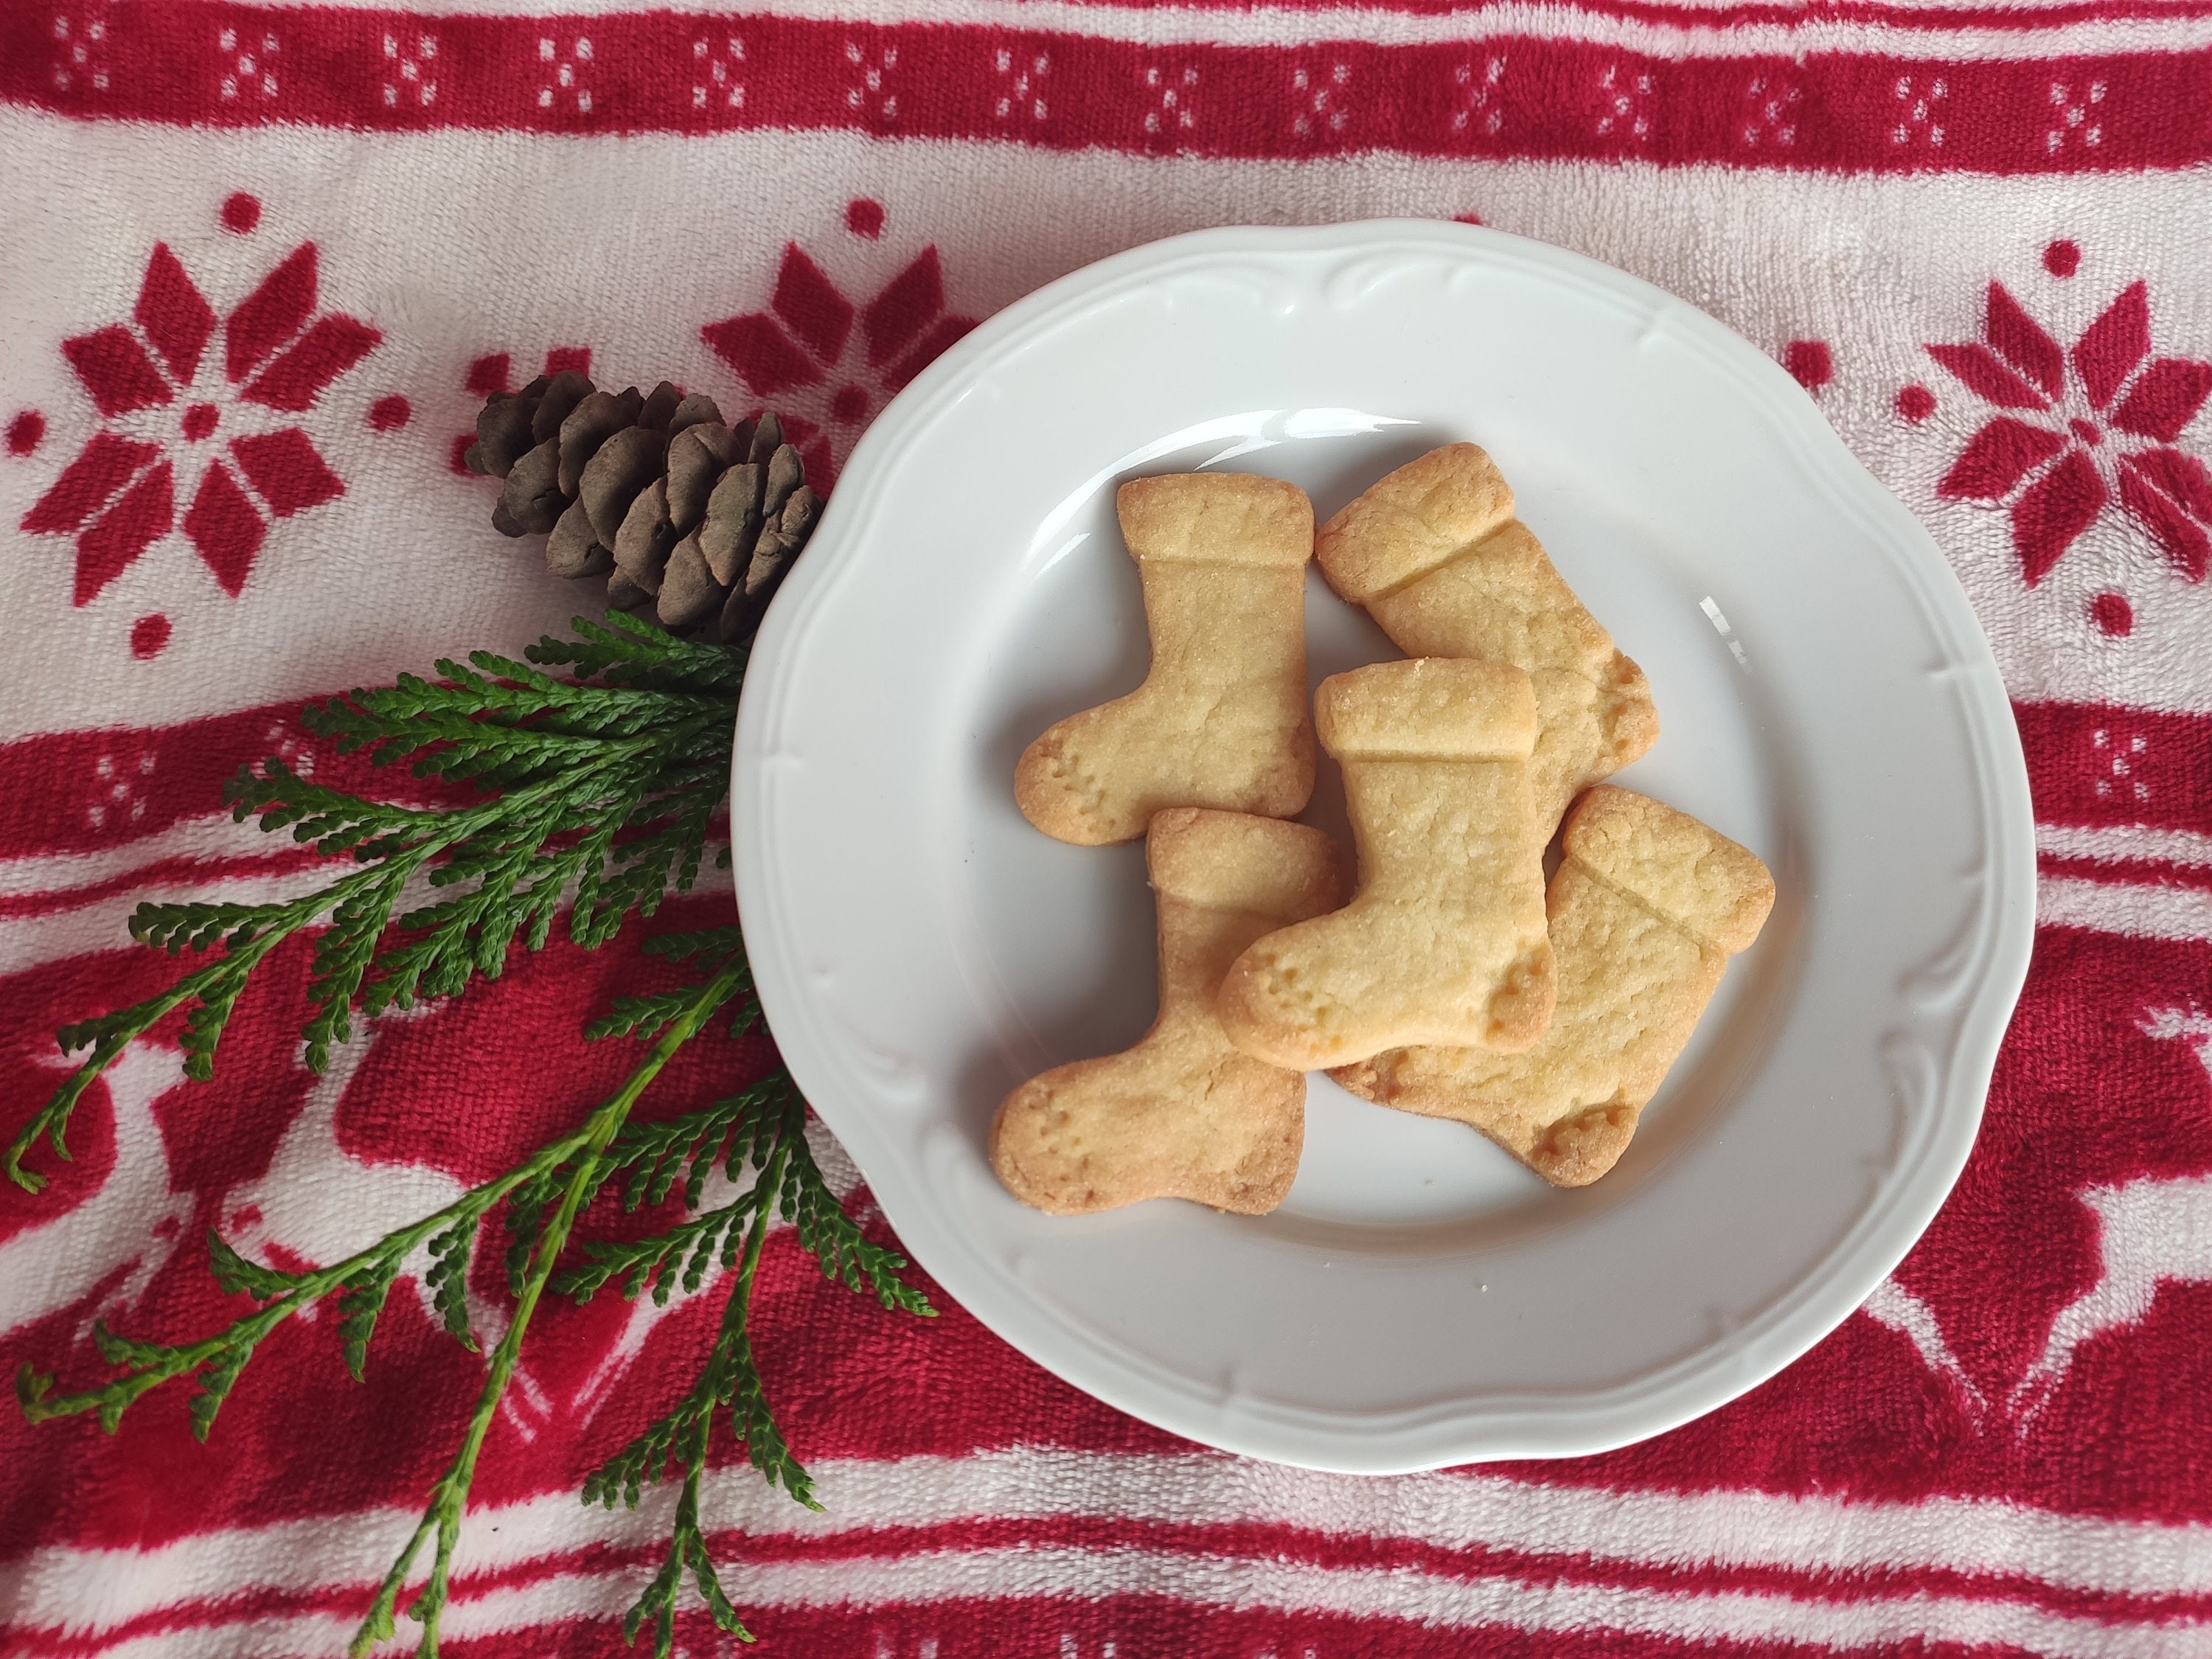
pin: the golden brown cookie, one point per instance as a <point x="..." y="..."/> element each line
<point x="1182" y="1114"/>
<point x="1436" y="555"/>
<point x="1220" y="721"/>
<point x="1445" y="941"/>
<point x="1647" y="907"/>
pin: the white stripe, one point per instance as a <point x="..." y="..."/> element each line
<point x="2137" y="910"/>
<point x="2123" y="842"/>
<point x="1171" y="25"/>
<point x="216" y="836"/>
<point x="89" y="1591"/>
<point x="1061" y="1573"/>
<point x="102" y="924"/>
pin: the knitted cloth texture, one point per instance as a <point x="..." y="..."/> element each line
<point x="260" y="264"/>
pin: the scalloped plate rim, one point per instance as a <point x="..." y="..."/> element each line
<point x="1497" y="1426"/>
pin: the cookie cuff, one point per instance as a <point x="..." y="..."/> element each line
<point x="1234" y="861"/>
<point x="1428" y="708"/>
<point x="1216" y="518"/>
<point x="1708" y="885"/>
<point x="1425" y="513"/>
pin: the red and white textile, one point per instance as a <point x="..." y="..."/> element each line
<point x="258" y="265"/>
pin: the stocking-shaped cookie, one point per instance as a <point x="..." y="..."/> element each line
<point x="1446" y="937"/>
<point x="1646" y="909"/>
<point x="1434" y="554"/>
<point x="1220" y="719"/>
<point x="1182" y="1114"/>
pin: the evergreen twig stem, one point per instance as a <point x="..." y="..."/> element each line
<point x="687" y="1540"/>
<point x="156" y="1364"/>
<point x="602" y="791"/>
<point x="594" y="796"/>
<point x="449" y="1497"/>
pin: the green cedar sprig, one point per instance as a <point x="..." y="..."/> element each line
<point x="635" y="1016"/>
<point x="584" y="1162"/>
<point x="600" y="790"/>
<point x="361" y="1284"/>
<point x="762" y="1131"/>
<point x="762" y="1128"/>
<point x="746" y="1130"/>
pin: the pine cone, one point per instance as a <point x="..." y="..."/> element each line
<point x="691" y="519"/>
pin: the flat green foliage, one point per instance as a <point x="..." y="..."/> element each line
<point x="595" y="792"/>
<point x="360" y="1284"/>
<point x="750" y="1129"/>
<point x="758" y="1140"/>
<point x="571" y="1171"/>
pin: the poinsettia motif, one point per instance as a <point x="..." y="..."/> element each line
<point x="800" y="341"/>
<point x="182" y="422"/>
<point x="2060" y="456"/>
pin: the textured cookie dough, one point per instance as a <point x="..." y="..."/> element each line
<point x="1221" y="720"/>
<point x="1182" y="1114"/>
<point x="1445" y="941"/>
<point x="1647" y="907"/>
<point x="1436" y="555"/>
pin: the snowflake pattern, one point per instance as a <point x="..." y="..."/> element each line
<point x="1480" y="101"/>
<point x="179" y="419"/>
<point x="1625" y="96"/>
<point x="2058" y="455"/>
<point x="800" y="341"/>
<point x="1022" y="82"/>
<point x="410" y="69"/>
<point x="80" y="49"/>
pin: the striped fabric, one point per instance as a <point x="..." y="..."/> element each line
<point x="258" y="266"/>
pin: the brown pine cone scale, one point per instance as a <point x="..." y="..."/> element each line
<point x="687" y="518"/>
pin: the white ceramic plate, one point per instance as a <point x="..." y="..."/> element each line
<point x="1824" y="695"/>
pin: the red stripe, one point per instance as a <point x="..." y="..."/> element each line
<point x="2095" y="765"/>
<point x="1552" y="98"/>
<point x="1045" y="1625"/>
<point x="1141" y="1626"/>
<point x="90" y="791"/>
<point x="875" y="1375"/>
<point x="885" y="1389"/>
<point x="1335" y="1550"/>
<point x="342" y="1602"/>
